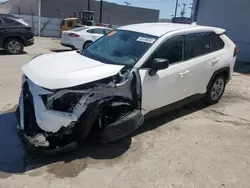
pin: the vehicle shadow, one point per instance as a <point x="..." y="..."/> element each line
<point x="242" y="67"/>
<point x="60" y="50"/>
<point x="2" y="53"/>
<point x="14" y="158"/>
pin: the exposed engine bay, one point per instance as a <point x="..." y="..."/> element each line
<point x="54" y="118"/>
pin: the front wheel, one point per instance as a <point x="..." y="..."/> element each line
<point x="13" y="46"/>
<point x="215" y="91"/>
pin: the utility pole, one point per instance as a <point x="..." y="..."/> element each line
<point x="100" y="12"/>
<point x="192" y="9"/>
<point x="183" y="12"/>
<point x="88" y="5"/>
<point x="39" y="18"/>
<point x="176" y="7"/>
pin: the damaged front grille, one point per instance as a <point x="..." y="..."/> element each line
<point x="30" y="126"/>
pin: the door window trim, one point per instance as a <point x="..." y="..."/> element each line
<point x="183" y="34"/>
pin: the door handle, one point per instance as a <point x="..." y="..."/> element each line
<point x="182" y="74"/>
<point x="215" y="61"/>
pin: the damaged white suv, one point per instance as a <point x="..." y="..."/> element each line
<point x="111" y="85"/>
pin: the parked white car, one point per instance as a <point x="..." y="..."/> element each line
<point x="109" y="87"/>
<point x="82" y="37"/>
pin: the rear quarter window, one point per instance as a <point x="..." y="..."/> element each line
<point x="216" y="42"/>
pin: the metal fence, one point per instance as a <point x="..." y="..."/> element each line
<point x="50" y="27"/>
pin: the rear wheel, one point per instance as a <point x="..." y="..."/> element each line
<point x="86" y="44"/>
<point x="215" y="91"/>
<point x="13" y="46"/>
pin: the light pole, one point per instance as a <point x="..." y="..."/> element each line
<point x="176" y="6"/>
<point x="39" y="18"/>
<point x="88" y="5"/>
<point x="100" y="12"/>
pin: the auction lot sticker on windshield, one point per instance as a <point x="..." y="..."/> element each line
<point x="146" y="40"/>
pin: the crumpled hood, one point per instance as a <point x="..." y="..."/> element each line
<point x="67" y="69"/>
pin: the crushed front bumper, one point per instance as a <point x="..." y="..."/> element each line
<point x="37" y="125"/>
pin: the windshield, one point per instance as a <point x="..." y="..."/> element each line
<point x="120" y="47"/>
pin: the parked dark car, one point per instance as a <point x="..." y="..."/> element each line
<point x="15" y="34"/>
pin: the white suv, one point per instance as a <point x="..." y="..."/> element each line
<point x="105" y="90"/>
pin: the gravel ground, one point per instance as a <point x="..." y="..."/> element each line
<point x="194" y="146"/>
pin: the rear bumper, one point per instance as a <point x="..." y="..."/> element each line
<point x="67" y="45"/>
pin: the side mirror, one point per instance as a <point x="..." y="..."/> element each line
<point x="158" y="64"/>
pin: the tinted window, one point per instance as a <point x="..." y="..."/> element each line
<point x="9" y="21"/>
<point x="216" y="43"/>
<point x="97" y="31"/>
<point x="196" y="44"/>
<point x="172" y="49"/>
<point x="1" y="22"/>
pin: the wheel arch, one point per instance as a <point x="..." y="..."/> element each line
<point x="225" y="71"/>
<point x="14" y="37"/>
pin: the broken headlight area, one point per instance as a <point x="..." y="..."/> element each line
<point x="65" y="103"/>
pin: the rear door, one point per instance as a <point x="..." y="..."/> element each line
<point x="202" y="54"/>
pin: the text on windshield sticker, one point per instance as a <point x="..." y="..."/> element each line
<point x="146" y="40"/>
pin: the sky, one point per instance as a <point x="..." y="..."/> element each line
<point x="166" y="7"/>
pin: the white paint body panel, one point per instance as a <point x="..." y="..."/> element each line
<point x="62" y="70"/>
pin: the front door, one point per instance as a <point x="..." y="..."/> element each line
<point x="167" y="85"/>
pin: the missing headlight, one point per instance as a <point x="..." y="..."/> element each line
<point x="65" y="103"/>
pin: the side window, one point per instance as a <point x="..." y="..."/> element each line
<point x="70" y="23"/>
<point x="196" y="44"/>
<point x="96" y="31"/>
<point x="172" y="49"/>
<point x="216" y="43"/>
<point x="1" y="22"/>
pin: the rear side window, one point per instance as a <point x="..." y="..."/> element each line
<point x="197" y="44"/>
<point x="97" y="31"/>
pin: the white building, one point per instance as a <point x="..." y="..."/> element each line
<point x="232" y="15"/>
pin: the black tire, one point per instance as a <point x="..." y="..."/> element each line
<point x="85" y="123"/>
<point x="209" y="99"/>
<point x="17" y="46"/>
<point x="86" y="44"/>
<point x="122" y="127"/>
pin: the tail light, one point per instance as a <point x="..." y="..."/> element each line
<point x="236" y="51"/>
<point x="73" y="35"/>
